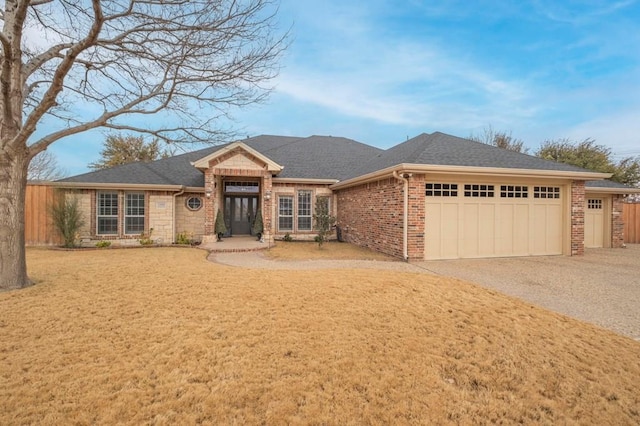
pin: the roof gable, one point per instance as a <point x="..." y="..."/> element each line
<point x="237" y="155"/>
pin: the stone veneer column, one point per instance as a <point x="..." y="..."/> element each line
<point x="617" y="222"/>
<point x="577" y="217"/>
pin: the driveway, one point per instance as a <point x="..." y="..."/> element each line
<point x="602" y="287"/>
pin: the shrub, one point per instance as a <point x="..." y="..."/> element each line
<point x="145" y="238"/>
<point x="322" y="220"/>
<point x="67" y="218"/>
<point x="220" y="227"/>
<point x="258" y="225"/>
<point x="183" y="238"/>
<point x="103" y="244"/>
<point x="287" y="237"/>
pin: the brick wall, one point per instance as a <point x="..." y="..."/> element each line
<point x="370" y="215"/>
<point x="617" y="222"/>
<point x="577" y="217"/>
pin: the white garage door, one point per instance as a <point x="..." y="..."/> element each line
<point x="466" y="220"/>
<point x="594" y="223"/>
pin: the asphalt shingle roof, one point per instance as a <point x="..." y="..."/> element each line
<point x="442" y="149"/>
<point x="319" y="157"/>
<point x="328" y="157"/>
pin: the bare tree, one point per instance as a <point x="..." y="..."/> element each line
<point x="501" y="139"/>
<point x="113" y="64"/>
<point x="44" y="166"/>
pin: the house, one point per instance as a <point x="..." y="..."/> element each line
<point x="435" y="196"/>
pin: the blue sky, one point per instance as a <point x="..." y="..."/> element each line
<point x="381" y="71"/>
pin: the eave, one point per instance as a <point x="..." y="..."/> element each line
<point x="471" y="171"/>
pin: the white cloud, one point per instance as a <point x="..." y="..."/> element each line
<point x="620" y="132"/>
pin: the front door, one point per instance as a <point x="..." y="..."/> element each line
<point x="241" y="211"/>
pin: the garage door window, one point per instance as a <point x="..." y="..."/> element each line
<point x="514" y="191"/>
<point x="441" y="189"/>
<point x="546" y="192"/>
<point x="478" y="191"/>
<point x="595" y="204"/>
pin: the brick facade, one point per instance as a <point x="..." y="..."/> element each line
<point x="577" y="217"/>
<point x="370" y="215"/>
<point x="241" y="166"/>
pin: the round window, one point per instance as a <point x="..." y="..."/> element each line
<point x="194" y="203"/>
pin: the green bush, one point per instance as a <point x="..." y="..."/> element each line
<point x="183" y="238"/>
<point x="145" y="238"/>
<point x="67" y="218"/>
<point x="287" y="237"/>
<point x="219" y="226"/>
<point x="323" y="221"/>
<point x="103" y="244"/>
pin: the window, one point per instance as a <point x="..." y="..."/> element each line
<point x="594" y="204"/>
<point x="242" y="187"/>
<point x="514" y="191"/>
<point x="285" y="213"/>
<point x="134" y="213"/>
<point x="478" y="191"/>
<point x="546" y="192"/>
<point x="194" y="203"/>
<point x="107" y="210"/>
<point x="304" y="210"/>
<point x="441" y="189"/>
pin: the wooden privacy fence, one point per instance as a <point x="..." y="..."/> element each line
<point x="631" y="218"/>
<point x="38" y="227"/>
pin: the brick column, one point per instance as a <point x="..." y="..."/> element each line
<point x="617" y="222"/>
<point x="267" y="207"/>
<point x="416" y="218"/>
<point x="577" y="217"/>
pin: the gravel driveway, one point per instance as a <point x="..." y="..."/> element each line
<point x="602" y="287"/>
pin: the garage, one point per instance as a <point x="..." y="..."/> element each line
<point x="594" y="221"/>
<point x="472" y="220"/>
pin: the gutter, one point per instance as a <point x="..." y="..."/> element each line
<point x="471" y="171"/>
<point x="405" y="215"/>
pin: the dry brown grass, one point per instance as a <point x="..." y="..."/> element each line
<point x="333" y="250"/>
<point x="160" y="336"/>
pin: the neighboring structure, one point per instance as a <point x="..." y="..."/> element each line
<point x="435" y="196"/>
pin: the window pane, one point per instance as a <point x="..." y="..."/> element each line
<point x="285" y="213"/>
<point x="134" y="213"/>
<point x="134" y="225"/>
<point x="107" y="225"/>
<point x="304" y="210"/>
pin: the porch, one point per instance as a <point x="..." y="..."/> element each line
<point x="235" y="244"/>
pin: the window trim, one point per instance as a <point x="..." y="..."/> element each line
<point x="110" y="216"/>
<point x="280" y="215"/>
<point x="193" y="197"/>
<point x="309" y="193"/>
<point x="128" y="215"/>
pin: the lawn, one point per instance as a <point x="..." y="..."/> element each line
<point x="161" y="336"/>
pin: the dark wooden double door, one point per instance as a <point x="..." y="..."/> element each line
<point x="240" y="212"/>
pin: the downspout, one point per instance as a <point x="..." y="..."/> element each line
<point x="173" y="214"/>
<point x="405" y="215"/>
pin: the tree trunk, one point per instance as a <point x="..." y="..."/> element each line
<point x="13" y="186"/>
